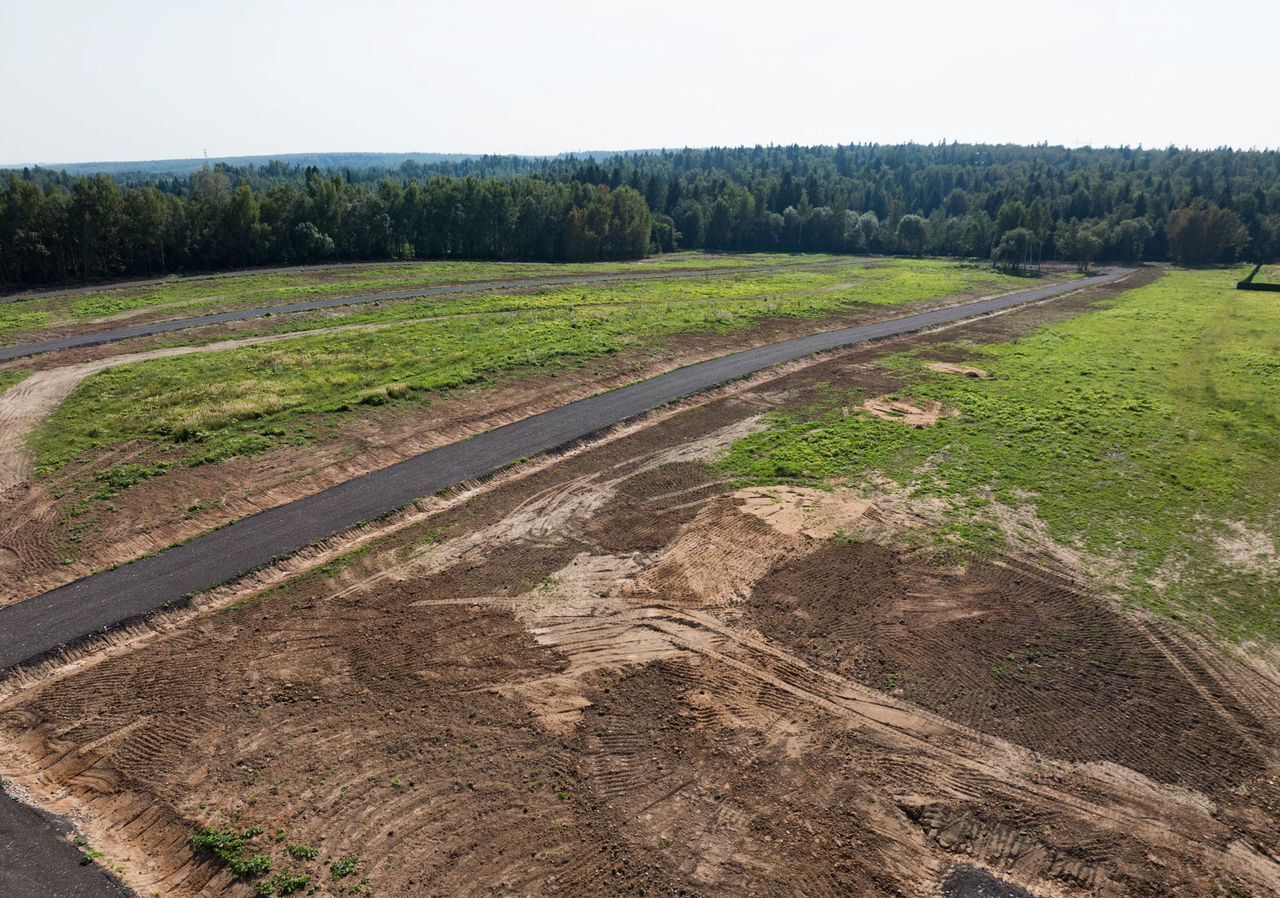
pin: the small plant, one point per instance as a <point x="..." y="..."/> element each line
<point x="230" y="848"/>
<point x="90" y="857"/>
<point x="284" y="884"/>
<point x="302" y="852"/>
<point x="121" y="477"/>
<point x="197" y="508"/>
<point x="348" y="866"/>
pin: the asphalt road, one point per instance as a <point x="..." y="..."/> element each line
<point x="43" y="624"/>
<point x="116" y="335"/>
<point x="35" y="862"/>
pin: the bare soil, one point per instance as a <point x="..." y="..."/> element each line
<point x="618" y="675"/>
<point x="916" y="413"/>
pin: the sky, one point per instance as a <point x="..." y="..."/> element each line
<point x="142" y="79"/>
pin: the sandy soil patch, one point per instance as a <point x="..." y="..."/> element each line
<point x="512" y="698"/>
<point x="918" y="413"/>
<point x="817" y="514"/>
<point x="1243" y="548"/>
<point x="952" y="368"/>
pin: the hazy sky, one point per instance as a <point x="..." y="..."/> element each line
<point x="140" y="79"/>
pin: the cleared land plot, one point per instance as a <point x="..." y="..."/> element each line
<point x="219" y="396"/>
<point x="618" y="674"/>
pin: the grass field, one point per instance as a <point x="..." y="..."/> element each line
<point x="195" y="296"/>
<point x="1145" y="434"/>
<point x="204" y="407"/>
<point x="798" y="292"/>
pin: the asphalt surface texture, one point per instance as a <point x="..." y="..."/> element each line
<point x="116" y="335"/>
<point x="36" y="861"/>
<point x="970" y="882"/>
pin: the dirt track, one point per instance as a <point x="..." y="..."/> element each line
<point x="619" y="675"/>
<point x="24" y="406"/>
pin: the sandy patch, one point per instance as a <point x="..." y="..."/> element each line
<point x="1242" y="548"/>
<point x="962" y="370"/>
<point x="817" y="514"/>
<point x="918" y="413"/>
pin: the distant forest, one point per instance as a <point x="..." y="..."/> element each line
<point x="1010" y="204"/>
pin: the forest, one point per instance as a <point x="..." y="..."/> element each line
<point x="1010" y="204"/>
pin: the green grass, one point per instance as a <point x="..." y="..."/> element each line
<point x="891" y="283"/>
<point x="206" y="407"/>
<point x="1142" y="433"/>
<point x="195" y="296"/>
<point x="9" y="378"/>
<point x="232" y="849"/>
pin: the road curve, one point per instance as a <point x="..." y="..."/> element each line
<point x="44" y="624"/>
<point x="116" y="335"/>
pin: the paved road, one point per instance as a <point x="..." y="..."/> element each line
<point x="35" y="862"/>
<point x="102" y="601"/>
<point x="115" y="335"/>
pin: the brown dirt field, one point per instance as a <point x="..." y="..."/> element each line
<point x="612" y="676"/>
<point x="49" y="534"/>
<point x="999" y="647"/>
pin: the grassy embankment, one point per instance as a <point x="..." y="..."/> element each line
<point x="197" y="296"/>
<point x="201" y="408"/>
<point x="1145" y="434"/>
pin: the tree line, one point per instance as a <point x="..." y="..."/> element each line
<point x="1006" y="203"/>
